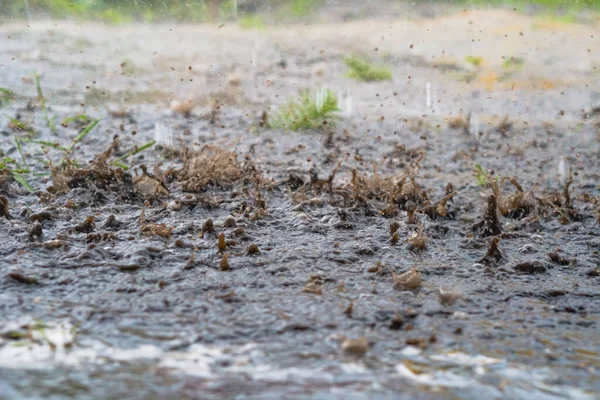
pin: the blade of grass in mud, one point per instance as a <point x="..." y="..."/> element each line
<point x="133" y="152"/>
<point x="42" y="100"/>
<point x="79" y="138"/>
<point x="21" y="153"/>
<point x="82" y="117"/>
<point x="19" y="178"/>
<point x="6" y="160"/>
<point x="120" y="165"/>
<point x="6" y="96"/>
<point x="23" y="127"/>
<point x="45" y="144"/>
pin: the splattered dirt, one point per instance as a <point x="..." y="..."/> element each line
<point x="440" y="240"/>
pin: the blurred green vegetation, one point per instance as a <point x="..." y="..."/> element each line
<point x="123" y="11"/>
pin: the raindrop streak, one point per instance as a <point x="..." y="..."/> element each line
<point x="428" y="94"/>
<point x="349" y="106"/>
<point x="320" y="98"/>
<point x="562" y="171"/>
<point x="28" y="11"/>
<point x="474" y="126"/>
<point x="161" y="136"/>
<point x="253" y="55"/>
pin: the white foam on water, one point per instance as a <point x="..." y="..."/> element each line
<point x="466" y="371"/>
<point x="45" y="346"/>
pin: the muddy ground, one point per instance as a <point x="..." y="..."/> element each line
<point x="115" y="309"/>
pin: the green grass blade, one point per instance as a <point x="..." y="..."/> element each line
<point x="79" y="138"/>
<point x="23" y="127"/>
<point x="85" y="132"/>
<point x="21" y="153"/>
<point x="22" y="181"/>
<point x="6" y="96"/>
<point x="42" y="100"/>
<point x="120" y="165"/>
<point x="45" y="144"/>
<point x="82" y="118"/>
<point x="133" y="152"/>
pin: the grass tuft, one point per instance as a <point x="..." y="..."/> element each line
<point x="362" y="69"/>
<point x="513" y="62"/>
<point x="311" y="112"/>
<point x="474" y="61"/>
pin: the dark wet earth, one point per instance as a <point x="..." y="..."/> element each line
<point x="133" y="308"/>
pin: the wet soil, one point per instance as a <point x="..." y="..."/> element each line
<point x="128" y="311"/>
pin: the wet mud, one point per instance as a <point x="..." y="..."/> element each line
<point x="441" y="241"/>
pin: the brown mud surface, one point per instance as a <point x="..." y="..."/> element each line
<point x="494" y="293"/>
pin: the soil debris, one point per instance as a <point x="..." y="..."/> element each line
<point x="449" y="297"/>
<point x="516" y="206"/>
<point x="224" y="265"/>
<point x="221" y="245"/>
<point x="208" y="227"/>
<point x="36" y="231"/>
<point x="4" y="211"/>
<point x="411" y="208"/>
<point x="493" y="254"/>
<point x="418" y="240"/>
<point x="355" y="347"/>
<point x="111" y="222"/>
<point x="556" y="258"/>
<point x="315" y="285"/>
<point x="100" y="237"/>
<point x="531" y="267"/>
<point x="86" y="226"/>
<point x="490" y="225"/>
<point x="211" y="166"/>
<point x="409" y="280"/>
<point x="151" y="228"/>
<point x="253" y="249"/>
<point x="148" y="185"/>
<point x="191" y="262"/>
<point x="22" y="278"/>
